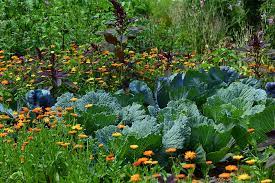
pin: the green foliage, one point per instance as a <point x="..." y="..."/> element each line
<point x="31" y="24"/>
<point x="263" y="122"/>
<point x="232" y="104"/>
<point x="178" y="135"/>
<point x="214" y="141"/>
<point x="132" y="113"/>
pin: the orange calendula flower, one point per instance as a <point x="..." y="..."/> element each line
<point x="116" y="134"/>
<point x="180" y="176"/>
<point x="133" y="147"/>
<point x="5" y="82"/>
<point x="148" y="153"/>
<point x="224" y="175"/>
<point x="83" y="136"/>
<point x="237" y="157"/>
<point x="251" y="162"/>
<point x="231" y="168"/>
<point x="121" y="126"/>
<point x="3" y="134"/>
<point x="244" y="177"/>
<point x="37" y="110"/>
<point x="250" y="130"/>
<point x="36" y="129"/>
<point x="189" y="166"/>
<point x="69" y="108"/>
<point x="135" y="178"/>
<point x="74" y="114"/>
<point x="110" y="157"/>
<point x="170" y="150"/>
<point x="190" y="155"/>
<point x="1" y="126"/>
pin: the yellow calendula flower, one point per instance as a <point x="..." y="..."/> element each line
<point x="72" y="132"/>
<point x="251" y="162"/>
<point x="244" y="177"/>
<point x="78" y="146"/>
<point x="77" y="127"/>
<point x="266" y="181"/>
<point x="116" y="134"/>
<point x="237" y="157"/>
<point x="133" y="147"/>
<point x="82" y="136"/>
<point x="73" y="99"/>
<point x="59" y="143"/>
<point x="65" y="144"/>
<point x="88" y="106"/>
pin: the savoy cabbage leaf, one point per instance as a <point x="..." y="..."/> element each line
<point x="132" y="113"/>
<point x="232" y="104"/>
<point x="178" y="135"/>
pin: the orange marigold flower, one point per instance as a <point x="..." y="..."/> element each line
<point x="170" y="150"/>
<point x="135" y="178"/>
<point x="133" y="147"/>
<point x="189" y="155"/>
<point x="209" y="162"/>
<point x="231" y="168"/>
<point x="189" y="166"/>
<point x="148" y="153"/>
<point x="225" y="175"/>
